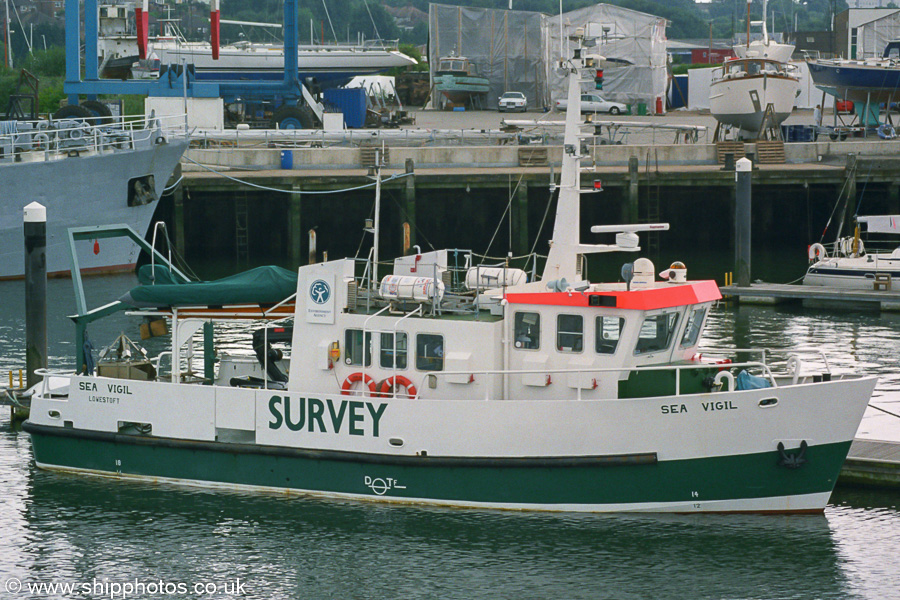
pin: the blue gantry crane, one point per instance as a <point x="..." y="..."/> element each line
<point x="289" y="102"/>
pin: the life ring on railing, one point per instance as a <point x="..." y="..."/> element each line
<point x="388" y="386"/>
<point x="41" y="141"/>
<point x="353" y="378"/>
<point x="886" y="131"/>
<point x="817" y="252"/>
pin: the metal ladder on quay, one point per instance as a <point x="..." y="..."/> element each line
<point x="241" y="231"/>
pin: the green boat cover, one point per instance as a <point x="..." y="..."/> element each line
<point x="262" y="285"/>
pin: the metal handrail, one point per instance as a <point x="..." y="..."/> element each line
<point x="48" y="139"/>
<point x="767" y="372"/>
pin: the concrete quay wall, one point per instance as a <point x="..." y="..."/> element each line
<point x="511" y="155"/>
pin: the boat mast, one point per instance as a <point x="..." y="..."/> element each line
<point x="748" y="25"/>
<point x="377" y="220"/>
<point x="564" y="245"/>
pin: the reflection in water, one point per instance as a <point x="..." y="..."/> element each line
<point x="85" y="527"/>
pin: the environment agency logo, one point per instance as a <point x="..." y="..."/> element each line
<point x="319" y="291"/>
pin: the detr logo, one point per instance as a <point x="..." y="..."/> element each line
<point x="319" y="291"/>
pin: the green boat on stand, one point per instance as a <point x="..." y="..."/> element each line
<point x="470" y="387"/>
<point x="458" y="83"/>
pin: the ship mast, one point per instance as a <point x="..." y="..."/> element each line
<point x="566" y="249"/>
<point x="561" y="260"/>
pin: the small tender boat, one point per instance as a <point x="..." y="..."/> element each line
<point x="457" y="80"/>
<point x="453" y="386"/>
<point x="849" y="265"/>
<point x="743" y="88"/>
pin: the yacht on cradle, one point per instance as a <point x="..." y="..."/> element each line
<point x="84" y="174"/>
<point x="460" y="387"/>
<point x="743" y="88"/>
<point x="867" y="82"/>
<point x="458" y="82"/>
<point x="320" y="66"/>
<point x="849" y="265"/>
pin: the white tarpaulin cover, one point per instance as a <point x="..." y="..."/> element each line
<point x="505" y="46"/>
<point x="633" y="39"/>
<point x="872" y="37"/>
<point x="518" y="50"/>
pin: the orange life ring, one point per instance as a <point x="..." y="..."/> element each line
<point x="353" y="378"/>
<point x="385" y="387"/>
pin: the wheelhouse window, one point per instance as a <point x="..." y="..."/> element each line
<point x="608" y="330"/>
<point x="692" y="329"/>
<point x="353" y="347"/>
<point x="389" y="350"/>
<point x="656" y="333"/>
<point x="429" y="352"/>
<point x="527" y="330"/>
<point x="569" y="333"/>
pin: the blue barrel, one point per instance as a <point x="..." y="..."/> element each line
<point x="287" y="159"/>
<point x="805" y="133"/>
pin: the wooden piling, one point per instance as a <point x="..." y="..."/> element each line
<point x="520" y="224"/>
<point x="295" y="233"/>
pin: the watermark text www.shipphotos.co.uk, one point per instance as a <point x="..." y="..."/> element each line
<point x="121" y="590"/>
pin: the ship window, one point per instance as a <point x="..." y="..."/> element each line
<point x="353" y="347"/>
<point x="569" y="333"/>
<point x="388" y="349"/>
<point x="527" y="334"/>
<point x="692" y="329"/>
<point x="607" y="335"/>
<point x="429" y="352"/>
<point x="656" y="333"/>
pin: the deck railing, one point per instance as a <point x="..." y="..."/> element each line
<point x="54" y="139"/>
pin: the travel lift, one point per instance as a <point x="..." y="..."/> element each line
<point x="290" y="99"/>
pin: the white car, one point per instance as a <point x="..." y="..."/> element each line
<point x="594" y="103"/>
<point x="512" y="101"/>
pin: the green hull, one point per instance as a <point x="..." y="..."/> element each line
<point x="592" y="483"/>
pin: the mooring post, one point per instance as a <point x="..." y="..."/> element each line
<point x="178" y="209"/>
<point x="631" y="208"/>
<point x="209" y="353"/>
<point x="35" y="221"/>
<point x="520" y="227"/>
<point x="409" y="200"/>
<point x="851" y="171"/>
<point x="743" y="172"/>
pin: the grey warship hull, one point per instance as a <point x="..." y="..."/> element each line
<point x="95" y="187"/>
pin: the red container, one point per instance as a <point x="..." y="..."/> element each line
<point x="843" y="106"/>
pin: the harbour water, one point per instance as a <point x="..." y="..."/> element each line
<point x="115" y="539"/>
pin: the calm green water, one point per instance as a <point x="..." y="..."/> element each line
<point x="109" y="534"/>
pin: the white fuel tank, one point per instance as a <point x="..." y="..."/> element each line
<point x="415" y="289"/>
<point x="494" y="277"/>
